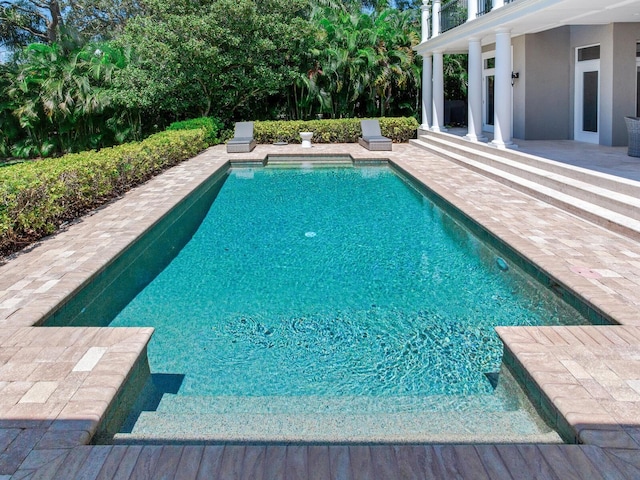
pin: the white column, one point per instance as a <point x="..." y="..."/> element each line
<point x="497" y="4"/>
<point x="427" y="92"/>
<point x="425" y="20"/>
<point x="435" y="19"/>
<point x="474" y="91"/>
<point x="502" y="95"/>
<point x="437" y="123"/>
<point x="472" y="10"/>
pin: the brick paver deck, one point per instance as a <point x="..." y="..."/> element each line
<point x="56" y="384"/>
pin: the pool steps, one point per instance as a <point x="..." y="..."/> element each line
<point x="338" y="419"/>
<point x="606" y="200"/>
<point x="424" y="427"/>
<point x="315" y="160"/>
<point x="172" y="403"/>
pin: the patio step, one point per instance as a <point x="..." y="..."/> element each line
<point x="606" y="200"/>
<point x="420" y="427"/>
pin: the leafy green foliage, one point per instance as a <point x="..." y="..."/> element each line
<point x="63" y="21"/>
<point x="25" y="21"/>
<point x="228" y="59"/>
<point x="456" y="76"/>
<point x="64" y="101"/>
<point x="346" y="130"/>
<point x="362" y="64"/>
<point x="222" y="58"/>
<point x="211" y="126"/>
<point x="37" y="196"/>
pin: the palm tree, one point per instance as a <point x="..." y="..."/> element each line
<point x="63" y="101"/>
<point x="364" y="60"/>
<point x="395" y="56"/>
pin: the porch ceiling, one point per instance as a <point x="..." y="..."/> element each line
<point x="531" y="16"/>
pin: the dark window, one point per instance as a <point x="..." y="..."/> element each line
<point x="590" y="102"/>
<point x="589" y="53"/>
<point x="490" y="63"/>
<point x="638" y="93"/>
<point x="490" y="99"/>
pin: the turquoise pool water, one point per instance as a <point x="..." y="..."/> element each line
<point x="334" y="282"/>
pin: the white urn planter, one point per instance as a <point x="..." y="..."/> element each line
<point x="306" y="139"/>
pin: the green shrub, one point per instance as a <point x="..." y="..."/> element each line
<point x="346" y="130"/>
<point x="212" y="126"/>
<point x="37" y="196"/>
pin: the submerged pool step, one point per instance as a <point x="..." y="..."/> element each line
<point x="426" y="427"/>
<point x="342" y="405"/>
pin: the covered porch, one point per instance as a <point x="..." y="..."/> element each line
<point x="537" y="69"/>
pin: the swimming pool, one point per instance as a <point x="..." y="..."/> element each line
<point x="335" y="293"/>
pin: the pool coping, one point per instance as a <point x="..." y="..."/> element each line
<point x="593" y="370"/>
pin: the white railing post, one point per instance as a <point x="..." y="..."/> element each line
<point x="497" y="4"/>
<point x="435" y="19"/>
<point x="472" y="10"/>
<point x="425" y="20"/>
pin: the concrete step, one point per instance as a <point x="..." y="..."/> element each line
<point x="427" y="427"/>
<point x="171" y="403"/>
<point x="621" y="185"/>
<point x="576" y="190"/>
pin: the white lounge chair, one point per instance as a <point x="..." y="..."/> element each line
<point x="372" y="138"/>
<point x="242" y="140"/>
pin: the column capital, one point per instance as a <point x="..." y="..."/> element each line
<point x="474" y="39"/>
<point x="502" y="30"/>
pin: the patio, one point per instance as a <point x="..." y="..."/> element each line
<point x="57" y="384"/>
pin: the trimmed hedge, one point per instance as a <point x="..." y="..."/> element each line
<point x="36" y="197"/>
<point x="211" y="125"/>
<point x="345" y="130"/>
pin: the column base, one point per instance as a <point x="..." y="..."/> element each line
<point x="437" y="129"/>
<point x="502" y="145"/>
<point x="475" y="138"/>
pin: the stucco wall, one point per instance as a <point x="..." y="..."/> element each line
<point x="625" y="37"/>
<point x="519" y="105"/>
<point x="544" y="95"/>
<point x="545" y="80"/>
<point x="617" y="75"/>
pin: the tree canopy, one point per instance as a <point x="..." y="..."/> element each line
<point x="91" y="73"/>
<point x="222" y="58"/>
<point x="57" y="21"/>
